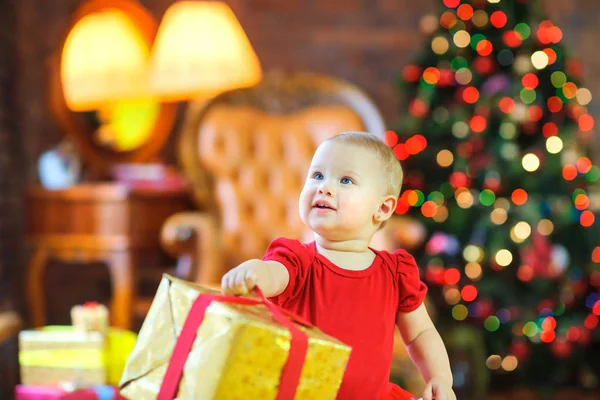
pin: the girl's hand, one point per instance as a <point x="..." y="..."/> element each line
<point x="438" y="389"/>
<point x="239" y="281"/>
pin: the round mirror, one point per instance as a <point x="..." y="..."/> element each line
<point x="127" y="127"/>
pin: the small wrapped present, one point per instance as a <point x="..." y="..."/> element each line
<point x="25" y="392"/>
<point x="198" y="344"/>
<point x="50" y="357"/>
<point x="116" y="345"/>
<point x="90" y="317"/>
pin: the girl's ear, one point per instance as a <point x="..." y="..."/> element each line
<point x="386" y="208"/>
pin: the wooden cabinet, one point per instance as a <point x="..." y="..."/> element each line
<point x="106" y="222"/>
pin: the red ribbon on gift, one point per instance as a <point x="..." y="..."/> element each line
<point x="290" y="376"/>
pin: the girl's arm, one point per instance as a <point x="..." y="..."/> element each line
<point x="270" y="276"/>
<point x="425" y="345"/>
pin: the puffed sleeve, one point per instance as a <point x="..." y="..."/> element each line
<point x="296" y="258"/>
<point x="412" y="290"/>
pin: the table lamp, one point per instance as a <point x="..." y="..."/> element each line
<point x="201" y="50"/>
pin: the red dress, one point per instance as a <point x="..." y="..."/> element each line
<point x="357" y="307"/>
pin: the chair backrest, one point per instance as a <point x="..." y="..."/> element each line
<point x="247" y="151"/>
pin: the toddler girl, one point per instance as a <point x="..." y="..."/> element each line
<point x="341" y="285"/>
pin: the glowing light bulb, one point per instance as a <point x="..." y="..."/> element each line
<point x="445" y="158"/>
<point x="539" y="59"/>
<point x="462" y="38"/>
<point x="510" y="363"/>
<point x="504" y="258"/>
<point x="472" y="253"/>
<point x="554" y="144"/>
<point x="522" y="230"/>
<point x="473" y="271"/>
<point x="439" y="45"/>
<point x="545" y="227"/>
<point x="494" y="361"/>
<point x="584" y="96"/>
<point x="530" y="162"/>
<point x="498" y="216"/>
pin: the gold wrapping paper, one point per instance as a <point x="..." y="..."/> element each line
<point x="54" y="357"/>
<point x="239" y="352"/>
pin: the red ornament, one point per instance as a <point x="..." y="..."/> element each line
<point x="446" y="77"/>
<point x="416" y="144"/>
<point x="537" y="255"/>
<point x="585" y="337"/>
<point x="414" y="181"/>
<point x="506" y="105"/>
<point x="402" y="207"/>
<point x="390" y="138"/>
<point x="549" y="129"/>
<point x="529" y="127"/>
<point x="451" y="276"/>
<point x="451" y="3"/>
<point x="512" y="38"/>
<point x="401" y="152"/>
<point x="459" y="179"/>
<point x="486" y="308"/>
<point x="530" y="81"/>
<point x="470" y="94"/>
<point x="435" y="275"/>
<point x="573" y="334"/>
<point x="469" y="293"/>
<point x="492" y="183"/>
<point x="545" y="305"/>
<point x="484" y="65"/>
<point x="418" y="108"/>
<point x="561" y="348"/>
<point x="573" y="68"/>
<point x="498" y="19"/>
<point x="519" y="349"/>
<point x="411" y="73"/>
<point x="478" y="123"/>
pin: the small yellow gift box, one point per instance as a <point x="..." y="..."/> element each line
<point x="225" y="351"/>
<point x="57" y="354"/>
<point x="51" y="357"/>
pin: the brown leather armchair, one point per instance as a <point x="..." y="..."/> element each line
<point x="246" y="153"/>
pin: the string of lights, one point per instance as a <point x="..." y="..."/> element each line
<point x="495" y="141"/>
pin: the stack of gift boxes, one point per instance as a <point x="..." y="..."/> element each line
<point x="194" y="344"/>
<point x="78" y="362"/>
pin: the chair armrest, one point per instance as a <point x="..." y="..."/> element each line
<point x="194" y="239"/>
<point x="10" y="324"/>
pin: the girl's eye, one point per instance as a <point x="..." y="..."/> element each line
<point x="318" y="175"/>
<point x="346" y="181"/>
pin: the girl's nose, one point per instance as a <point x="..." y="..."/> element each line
<point x="326" y="189"/>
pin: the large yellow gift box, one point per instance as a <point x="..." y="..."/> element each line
<point x="219" y="349"/>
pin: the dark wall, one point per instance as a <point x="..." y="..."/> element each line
<point x="363" y="41"/>
<point x="10" y="156"/>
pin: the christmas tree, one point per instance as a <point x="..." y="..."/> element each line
<point x="495" y="144"/>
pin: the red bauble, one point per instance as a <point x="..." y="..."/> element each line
<point x="486" y="308"/>
<point x="484" y="65"/>
<point x="492" y="183"/>
<point x="561" y="348"/>
<point x="446" y="77"/>
<point x="538" y="255"/>
<point x="519" y="349"/>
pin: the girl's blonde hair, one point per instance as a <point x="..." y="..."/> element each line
<point x="391" y="165"/>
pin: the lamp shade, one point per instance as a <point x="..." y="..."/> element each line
<point x="201" y="49"/>
<point x="104" y="59"/>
